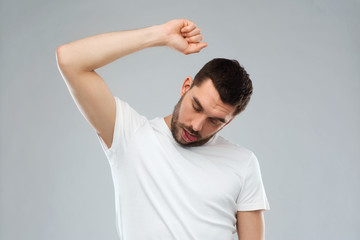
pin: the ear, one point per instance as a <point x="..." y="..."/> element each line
<point x="186" y="85"/>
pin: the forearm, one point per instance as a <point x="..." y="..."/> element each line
<point x="96" y="51"/>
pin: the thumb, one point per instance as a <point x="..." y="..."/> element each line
<point x="200" y="46"/>
<point x="195" y="47"/>
<point x="203" y="45"/>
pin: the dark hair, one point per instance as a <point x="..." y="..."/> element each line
<point x="230" y="79"/>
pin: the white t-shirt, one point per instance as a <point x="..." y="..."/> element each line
<point x="164" y="191"/>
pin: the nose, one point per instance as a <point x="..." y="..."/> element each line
<point x="198" y="123"/>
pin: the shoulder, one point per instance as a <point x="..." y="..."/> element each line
<point x="126" y="112"/>
<point x="127" y="121"/>
<point x="232" y="148"/>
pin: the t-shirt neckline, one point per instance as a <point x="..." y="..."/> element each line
<point x="165" y="126"/>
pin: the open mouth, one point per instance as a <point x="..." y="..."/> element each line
<point x="187" y="136"/>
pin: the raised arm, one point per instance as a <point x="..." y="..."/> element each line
<point x="78" y="60"/>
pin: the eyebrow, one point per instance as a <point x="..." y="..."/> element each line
<point x="201" y="108"/>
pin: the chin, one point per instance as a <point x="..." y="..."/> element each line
<point x="180" y="140"/>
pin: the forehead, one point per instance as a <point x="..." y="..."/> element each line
<point x="210" y="100"/>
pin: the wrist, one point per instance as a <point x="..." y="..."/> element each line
<point x="155" y="36"/>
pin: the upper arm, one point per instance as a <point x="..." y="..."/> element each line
<point x="91" y="95"/>
<point x="250" y="225"/>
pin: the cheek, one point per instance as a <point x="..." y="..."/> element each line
<point x="185" y="114"/>
<point x="210" y="129"/>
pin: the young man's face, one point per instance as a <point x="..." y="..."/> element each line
<point x="199" y="114"/>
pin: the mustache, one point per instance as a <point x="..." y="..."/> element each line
<point x="191" y="131"/>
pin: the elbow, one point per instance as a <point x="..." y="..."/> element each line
<point x="69" y="60"/>
<point x="61" y="57"/>
<point x="64" y="65"/>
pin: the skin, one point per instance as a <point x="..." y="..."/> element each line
<point x="200" y="112"/>
<point x="78" y="60"/>
<point x="250" y="225"/>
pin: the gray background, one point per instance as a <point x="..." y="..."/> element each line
<point x="302" y="122"/>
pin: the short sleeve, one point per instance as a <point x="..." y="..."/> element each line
<point x="252" y="195"/>
<point x="126" y="123"/>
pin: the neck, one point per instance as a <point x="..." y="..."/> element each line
<point x="168" y="121"/>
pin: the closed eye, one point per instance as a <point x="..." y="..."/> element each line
<point x="214" y="121"/>
<point x="196" y="109"/>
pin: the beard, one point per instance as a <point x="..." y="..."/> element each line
<point x="177" y="128"/>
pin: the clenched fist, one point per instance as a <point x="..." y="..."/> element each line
<point x="183" y="36"/>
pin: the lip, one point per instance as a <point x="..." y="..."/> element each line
<point x="187" y="136"/>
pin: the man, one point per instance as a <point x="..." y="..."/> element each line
<point x="174" y="177"/>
